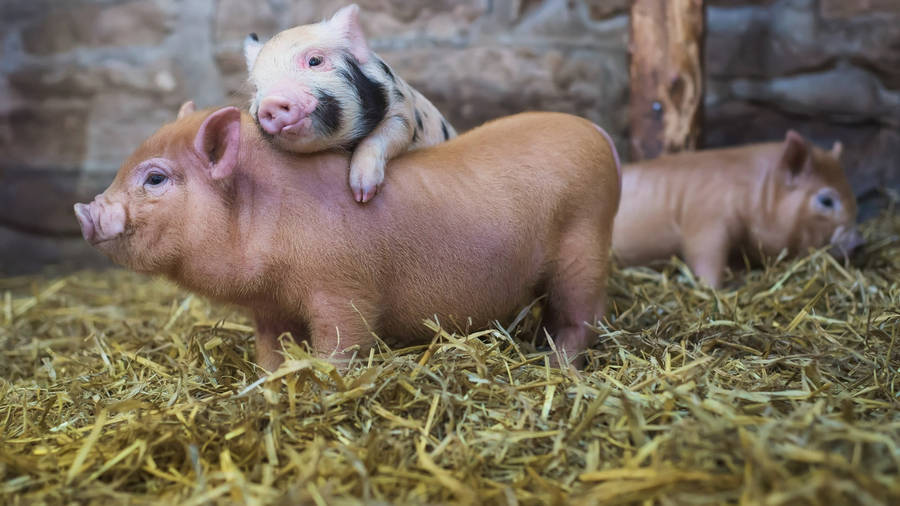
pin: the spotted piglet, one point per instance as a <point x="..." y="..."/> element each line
<point x="320" y="87"/>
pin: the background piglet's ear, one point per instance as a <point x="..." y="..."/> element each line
<point x="252" y="46"/>
<point x="794" y="154"/>
<point x="185" y="109"/>
<point x="837" y="149"/>
<point x="346" y="21"/>
<point x="218" y="142"/>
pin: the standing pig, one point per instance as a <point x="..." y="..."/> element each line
<point x="320" y="87"/>
<point x="476" y="227"/>
<point x="708" y="205"/>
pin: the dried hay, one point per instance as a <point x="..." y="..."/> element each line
<point x="782" y="390"/>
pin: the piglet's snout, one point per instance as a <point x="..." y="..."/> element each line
<point x="846" y="242"/>
<point x="284" y="114"/>
<point x="100" y="221"/>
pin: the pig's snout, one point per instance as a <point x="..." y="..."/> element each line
<point x="88" y="230"/>
<point x="846" y="243"/>
<point x="100" y="221"/>
<point x="280" y="114"/>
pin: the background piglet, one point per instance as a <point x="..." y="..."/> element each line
<point x="758" y="200"/>
<point x="319" y="87"/>
<point x="474" y="228"/>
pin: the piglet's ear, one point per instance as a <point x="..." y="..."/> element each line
<point x="252" y="46"/>
<point x="346" y="22"/>
<point x="218" y="142"/>
<point x="186" y="108"/>
<point x="837" y="150"/>
<point x="794" y="154"/>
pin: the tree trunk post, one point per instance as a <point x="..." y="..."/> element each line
<point x="667" y="83"/>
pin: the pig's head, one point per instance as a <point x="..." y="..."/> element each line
<point x="168" y="195"/>
<point x="813" y="203"/>
<point x="310" y="90"/>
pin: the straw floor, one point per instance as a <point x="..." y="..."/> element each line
<point x="781" y="389"/>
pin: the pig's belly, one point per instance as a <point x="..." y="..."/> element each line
<point x="462" y="291"/>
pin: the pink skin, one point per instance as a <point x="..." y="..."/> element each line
<point x="285" y="110"/>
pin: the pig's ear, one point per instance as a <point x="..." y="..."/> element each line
<point x="218" y="141"/>
<point x="252" y="46"/>
<point x="346" y="22"/>
<point x="837" y="150"/>
<point x="794" y="154"/>
<point x="186" y="108"/>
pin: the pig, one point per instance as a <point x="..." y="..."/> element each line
<point x="320" y="87"/>
<point x="473" y="228"/>
<point x="710" y="206"/>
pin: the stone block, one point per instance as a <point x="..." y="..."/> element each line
<point x="389" y="23"/>
<point x="39" y="201"/>
<point x="49" y="133"/>
<point x="119" y="122"/>
<point x="604" y="9"/>
<point x="234" y="19"/>
<point x="96" y="25"/>
<point x="842" y="9"/>
<point x="760" y="41"/>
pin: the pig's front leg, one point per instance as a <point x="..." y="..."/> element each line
<point x="390" y="138"/>
<point x="706" y="253"/>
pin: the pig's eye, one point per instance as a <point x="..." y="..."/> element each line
<point x="314" y="61"/>
<point x="155" y="179"/>
<point x="826" y="201"/>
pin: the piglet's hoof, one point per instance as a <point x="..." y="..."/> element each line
<point x="366" y="175"/>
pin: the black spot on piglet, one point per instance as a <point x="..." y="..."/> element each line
<point x="372" y="96"/>
<point x="328" y="113"/>
<point x="418" y="119"/>
<point x="444" y="129"/>
<point x="254" y="36"/>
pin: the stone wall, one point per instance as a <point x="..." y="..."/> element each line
<point x="82" y="82"/>
<point x="827" y="68"/>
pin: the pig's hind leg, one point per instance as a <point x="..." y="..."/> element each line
<point x="576" y="294"/>
<point x="340" y="326"/>
<point x="390" y="138"/>
<point x="268" y="346"/>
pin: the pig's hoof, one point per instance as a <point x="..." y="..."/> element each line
<point x="365" y="177"/>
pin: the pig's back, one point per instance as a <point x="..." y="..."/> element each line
<point x="473" y="223"/>
<point x="663" y="197"/>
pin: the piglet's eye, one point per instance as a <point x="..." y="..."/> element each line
<point x="155" y="179"/>
<point x="314" y="61"/>
<point x="826" y="201"/>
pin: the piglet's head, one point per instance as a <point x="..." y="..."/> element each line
<point x="308" y="83"/>
<point x="817" y="206"/>
<point x="168" y="195"/>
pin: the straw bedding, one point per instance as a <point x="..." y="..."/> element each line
<point x="782" y="389"/>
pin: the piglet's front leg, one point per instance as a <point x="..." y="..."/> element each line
<point x="706" y="253"/>
<point x="390" y="138"/>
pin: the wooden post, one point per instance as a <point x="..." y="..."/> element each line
<point x="666" y="104"/>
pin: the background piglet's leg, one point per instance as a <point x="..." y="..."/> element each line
<point x="706" y="253"/>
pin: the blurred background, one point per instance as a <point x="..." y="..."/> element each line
<point x="83" y="82"/>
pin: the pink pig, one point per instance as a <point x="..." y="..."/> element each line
<point x="473" y="228"/>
